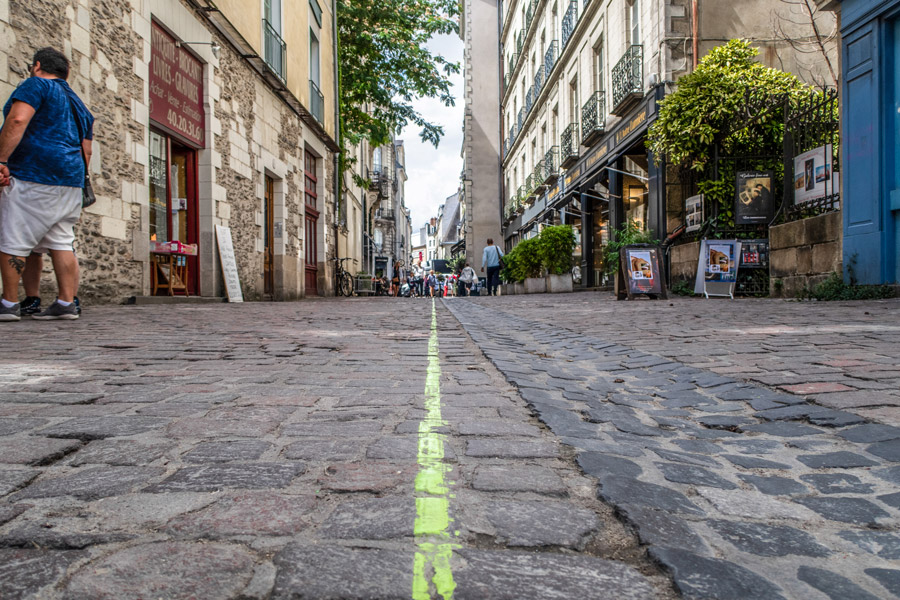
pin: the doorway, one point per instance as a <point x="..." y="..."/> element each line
<point x="311" y="226"/>
<point x="269" y="239"/>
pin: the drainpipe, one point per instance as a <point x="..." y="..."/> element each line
<point x="695" y="31"/>
<point x="338" y="175"/>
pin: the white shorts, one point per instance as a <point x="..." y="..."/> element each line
<point x="37" y="217"/>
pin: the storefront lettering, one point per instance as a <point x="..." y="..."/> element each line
<point x="176" y="88"/>
<point x="572" y="175"/>
<point x="632" y="126"/>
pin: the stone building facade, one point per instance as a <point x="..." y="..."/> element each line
<point x="206" y="115"/>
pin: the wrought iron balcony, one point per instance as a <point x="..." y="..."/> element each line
<point x="593" y="118"/>
<point x="529" y="100"/>
<point x="539" y="79"/>
<point x="628" y="80"/>
<point x="511" y="66"/>
<point x="521" y="118"/>
<point x="568" y="145"/>
<point x="274" y="51"/>
<point x="520" y="42"/>
<point x="570" y="20"/>
<point x="380" y="182"/>
<point x="538" y="178"/>
<point x="529" y="188"/>
<point x="529" y="14"/>
<point x="316" y="102"/>
<point x="551" y="165"/>
<point x="506" y="79"/>
<point x="550" y="57"/>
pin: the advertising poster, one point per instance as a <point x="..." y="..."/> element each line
<point x="812" y="175"/>
<point x="693" y="213"/>
<point x="642" y="271"/>
<point x="754" y="202"/>
<point x="720" y="261"/>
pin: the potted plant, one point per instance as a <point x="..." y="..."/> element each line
<point x="530" y="267"/>
<point x="509" y="272"/>
<point x="557" y="243"/>
<point x="628" y="235"/>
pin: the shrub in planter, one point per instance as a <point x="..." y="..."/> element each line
<point x="528" y="259"/>
<point x="556" y="247"/>
<point x="509" y="272"/>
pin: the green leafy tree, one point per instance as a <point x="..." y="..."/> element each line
<point x="385" y="64"/>
<point x="712" y="99"/>
<point x="557" y="245"/>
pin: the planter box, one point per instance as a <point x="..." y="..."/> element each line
<point x="505" y="289"/>
<point x="559" y="284"/>
<point x="535" y="285"/>
<point x="518" y="288"/>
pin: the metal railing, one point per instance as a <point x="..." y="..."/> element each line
<point x="627" y="76"/>
<point x="316" y="102"/>
<point x="570" y="20"/>
<point x="520" y="119"/>
<point x="593" y="117"/>
<point x="529" y="99"/>
<point x="540" y="78"/>
<point x="506" y="79"/>
<point x="568" y="146"/>
<point x="551" y="56"/>
<point x="529" y="14"/>
<point x="551" y="165"/>
<point x="520" y="42"/>
<point x="538" y="178"/>
<point x="275" y="50"/>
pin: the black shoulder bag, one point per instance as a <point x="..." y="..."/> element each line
<point x="87" y="192"/>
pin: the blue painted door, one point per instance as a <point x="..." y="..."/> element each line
<point x="893" y="241"/>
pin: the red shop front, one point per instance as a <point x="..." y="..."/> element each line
<point x="177" y="129"/>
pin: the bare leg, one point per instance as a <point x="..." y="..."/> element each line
<point x="66" y="266"/>
<point x="31" y="278"/>
<point x="11" y="268"/>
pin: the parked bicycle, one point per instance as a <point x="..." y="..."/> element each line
<point x="343" y="280"/>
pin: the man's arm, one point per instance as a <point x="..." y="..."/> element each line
<point x="87" y="148"/>
<point x="20" y="114"/>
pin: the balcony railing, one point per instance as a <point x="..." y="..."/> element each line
<point x="593" y="118"/>
<point x="539" y="79"/>
<point x="506" y="79"/>
<point x="529" y="100"/>
<point x="568" y="146"/>
<point x="529" y="14"/>
<point x="521" y="118"/>
<point x="570" y="20"/>
<point x="538" y="178"/>
<point x="628" y="80"/>
<point x="551" y="165"/>
<point x="275" y="50"/>
<point x="513" y="59"/>
<point x="550" y="57"/>
<point x="316" y="102"/>
<point x="520" y="42"/>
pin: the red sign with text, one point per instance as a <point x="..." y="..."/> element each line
<point x="176" y="88"/>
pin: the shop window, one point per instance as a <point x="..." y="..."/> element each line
<point x="636" y="192"/>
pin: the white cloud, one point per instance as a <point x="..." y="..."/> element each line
<point x="433" y="173"/>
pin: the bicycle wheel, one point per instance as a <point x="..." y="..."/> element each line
<point x="345" y="284"/>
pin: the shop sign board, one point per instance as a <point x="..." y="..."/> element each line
<point x="176" y="88"/>
<point x="640" y="267"/>
<point x="229" y="264"/>
<point x="813" y="178"/>
<point x="753" y="201"/>
<point x="693" y="213"/>
<point x="718" y="267"/>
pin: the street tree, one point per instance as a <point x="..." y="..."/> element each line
<point x="385" y="64"/>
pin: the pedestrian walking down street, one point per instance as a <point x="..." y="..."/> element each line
<point x="431" y="284"/>
<point x="45" y="145"/>
<point x="491" y="260"/>
<point x="467" y="277"/>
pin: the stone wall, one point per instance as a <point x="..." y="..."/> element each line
<point x="250" y="133"/>
<point x="804" y="253"/>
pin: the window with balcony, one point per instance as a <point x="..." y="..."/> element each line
<point x="633" y="22"/>
<point x="628" y="80"/>
<point x="274" y="48"/>
<point x="570" y="21"/>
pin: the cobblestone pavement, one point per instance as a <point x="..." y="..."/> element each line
<point x="738" y="489"/>
<point x="283" y="450"/>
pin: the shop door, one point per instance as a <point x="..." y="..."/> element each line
<point x="269" y="235"/>
<point x="311" y="220"/>
<point x="894" y="186"/>
<point x="173" y="198"/>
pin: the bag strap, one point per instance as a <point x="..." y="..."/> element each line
<point x="81" y="135"/>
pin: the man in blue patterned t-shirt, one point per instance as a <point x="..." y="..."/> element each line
<point x="45" y="144"/>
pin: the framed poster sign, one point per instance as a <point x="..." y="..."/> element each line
<point x="719" y="261"/>
<point x="753" y="202"/>
<point x="640" y="267"/>
<point x="812" y="175"/>
<point x="693" y="213"/>
<point x="229" y="264"/>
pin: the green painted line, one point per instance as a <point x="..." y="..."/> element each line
<point x="434" y="542"/>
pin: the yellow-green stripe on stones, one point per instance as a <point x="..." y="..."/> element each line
<point x="434" y="546"/>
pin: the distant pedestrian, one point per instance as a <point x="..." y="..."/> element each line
<point x="491" y="259"/>
<point x="431" y="284"/>
<point x="467" y="277"/>
<point x="45" y="145"/>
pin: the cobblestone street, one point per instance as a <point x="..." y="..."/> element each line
<point x="555" y="446"/>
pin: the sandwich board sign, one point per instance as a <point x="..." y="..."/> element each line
<point x="229" y="264"/>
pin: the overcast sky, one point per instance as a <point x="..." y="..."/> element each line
<point x="433" y="174"/>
